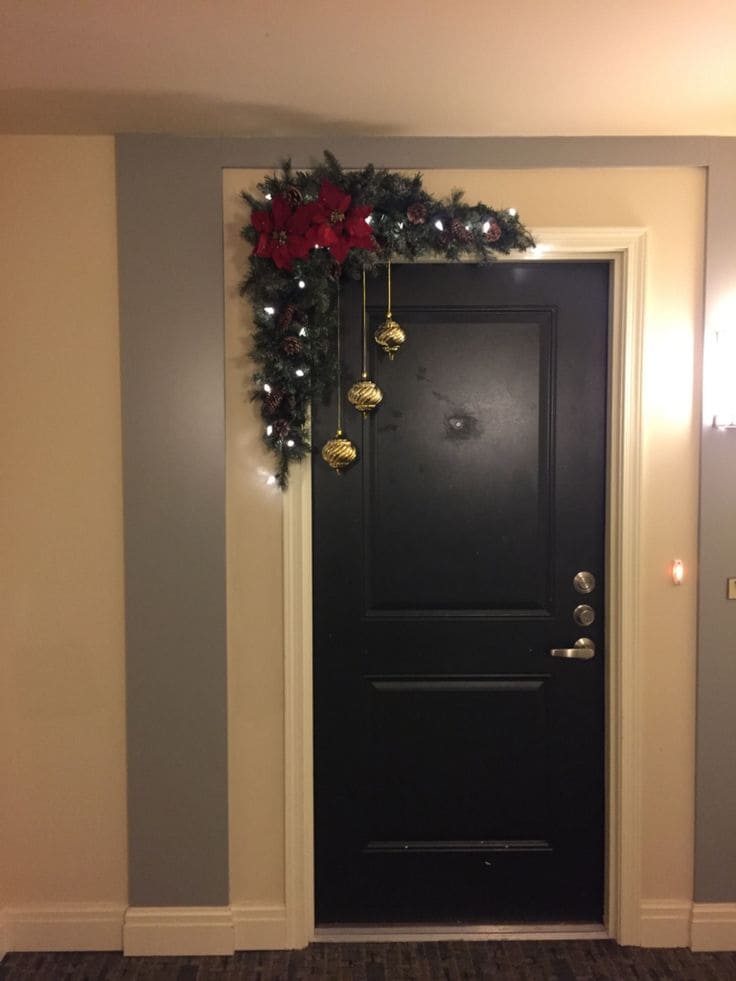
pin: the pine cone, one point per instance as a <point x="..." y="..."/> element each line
<point x="294" y="196"/>
<point x="281" y="428"/>
<point x="287" y="315"/>
<point x="291" y="346"/>
<point x="272" y="401"/>
<point x="460" y="233"/>
<point x="494" y="232"/>
<point x="417" y="213"/>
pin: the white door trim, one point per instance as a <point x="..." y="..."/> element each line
<point x="625" y="248"/>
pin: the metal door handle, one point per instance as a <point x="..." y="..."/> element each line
<point x="583" y="650"/>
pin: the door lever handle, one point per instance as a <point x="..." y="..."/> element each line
<point x="583" y="650"/>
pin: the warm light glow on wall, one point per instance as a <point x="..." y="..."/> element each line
<point x="669" y="374"/>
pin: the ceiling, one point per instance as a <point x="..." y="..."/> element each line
<point x="405" y="67"/>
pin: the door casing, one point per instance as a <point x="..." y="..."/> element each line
<point x="625" y="249"/>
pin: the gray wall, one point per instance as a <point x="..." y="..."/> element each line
<point x="171" y="276"/>
<point x="715" y="821"/>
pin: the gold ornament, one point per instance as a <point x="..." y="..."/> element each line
<point x="365" y="395"/>
<point x="389" y="336"/>
<point x="339" y="452"/>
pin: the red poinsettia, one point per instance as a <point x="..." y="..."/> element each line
<point x="282" y="232"/>
<point x="337" y="226"/>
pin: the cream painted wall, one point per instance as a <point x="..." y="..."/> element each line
<point x="62" y="693"/>
<point x="254" y="603"/>
<point x="670" y="204"/>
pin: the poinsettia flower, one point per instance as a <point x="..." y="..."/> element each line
<point x="282" y="232"/>
<point x="337" y="226"/>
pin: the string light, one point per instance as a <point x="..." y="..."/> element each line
<point x="268" y="197"/>
<point x="299" y="372"/>
<point x="439" y="226"/>
<point x="290" y="442"/>
<point x="302" y="284"/>
<point x="486" y="227"/>
<point x="271" y="480"/>
<point x="269" y="430"/>
<point x="302" y="331"/>
<point x="266" y="387"/>
<point x="269" y="310"/>
<point x="512" y="212"/>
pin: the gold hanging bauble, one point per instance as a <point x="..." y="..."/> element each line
<point x="365" y="395"/>
<point x="339" y="452"/>
<point x="390" y="336"/>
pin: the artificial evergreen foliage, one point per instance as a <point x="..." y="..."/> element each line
<point x="293" y="287"/>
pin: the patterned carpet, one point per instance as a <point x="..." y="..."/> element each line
<point x="572" y="960"/>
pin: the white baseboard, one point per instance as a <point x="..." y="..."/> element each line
<point x="665" y="923"/>
<point x="86" y="926"/>
<point x="713" y="926"/>
<point x="260" y="927"/>
<point x="178" y="930"/>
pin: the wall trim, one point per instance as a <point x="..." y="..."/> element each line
<point x="625" y="247"/>
<point x="665" y="923"/>
<point x="82" y="926"/>
<point x="178" y="931"/>
<point x="713" y="926"/>
<point x="260" y="927"/>
<point x="298" y="726"/>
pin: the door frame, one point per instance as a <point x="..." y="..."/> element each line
<point x="626" y="250"/>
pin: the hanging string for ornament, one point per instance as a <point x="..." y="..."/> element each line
<point x="365" y="395"/>
<point x="339" y="452"/>
<point x="390" y="336"/>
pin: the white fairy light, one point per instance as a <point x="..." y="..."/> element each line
<point x="512" y="212"/>
<point x="269" y="310"/>
<point x="302" y="331"/>
<point x="271" y="480"/>
<point x="467" y="228"/>
<point x="268" y="197"/>
<point x="369" y="220"/>
<point x="299" y="372"/>
<point x="401" y="225"/>
<point x="290" y="442"/>
<point x="302" y="284"/>
<point x="269" y="430"/>
<point x="486" y="227"/>
<point x="266" y="387"/>
<point x="439" y="226"/>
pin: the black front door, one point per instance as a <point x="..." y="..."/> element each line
<point x="459" y="764"/>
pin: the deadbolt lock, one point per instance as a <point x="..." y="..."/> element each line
<point x="583" y="615"/>
<point x="584" y="582"/>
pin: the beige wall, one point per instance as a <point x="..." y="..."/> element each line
<point x="254" y="604"/>
<point x="670" y="204"/>
<point x="62" y="693"/>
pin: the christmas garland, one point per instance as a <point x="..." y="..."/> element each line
<point x="311" y="228"/>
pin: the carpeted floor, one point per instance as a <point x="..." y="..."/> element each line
<point x="572" y="960"/>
